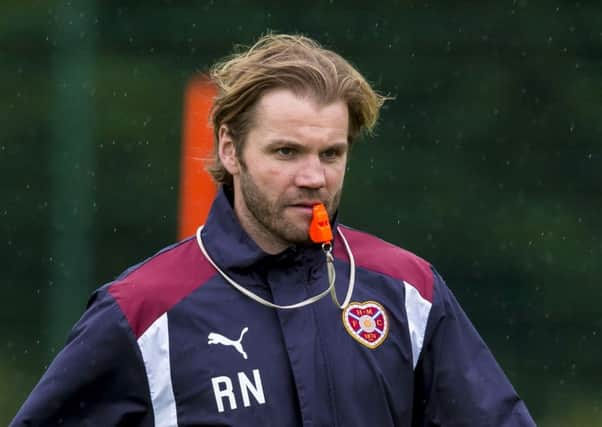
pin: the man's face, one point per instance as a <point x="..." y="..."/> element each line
<point x="295" y="156"/>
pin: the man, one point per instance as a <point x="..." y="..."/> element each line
<point x="230" y="328"/>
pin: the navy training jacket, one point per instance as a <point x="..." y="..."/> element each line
<point x="171" y="343"/>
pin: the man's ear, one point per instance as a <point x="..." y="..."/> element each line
<point x="227" y="151"/>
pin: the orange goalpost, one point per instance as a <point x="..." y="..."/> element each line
<point x="197" y="188"/>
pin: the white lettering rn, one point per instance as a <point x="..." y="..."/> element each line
<point x="223" y="389"/>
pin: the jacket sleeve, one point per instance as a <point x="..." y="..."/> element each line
<point x="457" y="380"/>
<point x="98" y="379"/>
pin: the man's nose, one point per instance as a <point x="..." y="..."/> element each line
<point x="311" y="173"/>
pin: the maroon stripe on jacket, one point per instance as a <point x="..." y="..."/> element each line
<point x="161" y="282"/>
<point x="374" y="254"/>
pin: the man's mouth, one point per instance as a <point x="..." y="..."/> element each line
<point x="309" y="203"/>
<point x="302" y="206"/>
<point x="305" y="207"/>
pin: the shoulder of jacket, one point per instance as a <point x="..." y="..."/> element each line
<point x="374" y="254"/>
<point x="151" y="288"/>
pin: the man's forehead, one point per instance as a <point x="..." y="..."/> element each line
<point x="288" y="106"/>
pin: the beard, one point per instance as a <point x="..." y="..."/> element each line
<point x="270" y="215"/>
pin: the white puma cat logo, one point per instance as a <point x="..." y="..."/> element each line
<point x="215" y="338"/>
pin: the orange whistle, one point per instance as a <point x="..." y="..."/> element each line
<point x="319" y="228"/>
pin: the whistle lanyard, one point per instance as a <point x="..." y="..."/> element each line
<point x="326" y="248"/>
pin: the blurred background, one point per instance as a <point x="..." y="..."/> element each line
<point x="487" y="163"/>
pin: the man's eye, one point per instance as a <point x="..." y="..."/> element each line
<point x="285" y="151"/>
<point x="330" y="154"/>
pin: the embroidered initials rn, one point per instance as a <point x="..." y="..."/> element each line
<point x="223" y="389"/>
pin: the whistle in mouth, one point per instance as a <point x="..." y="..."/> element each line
<point x="319" y="228"/>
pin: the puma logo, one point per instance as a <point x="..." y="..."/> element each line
<point x="215" y="338"/>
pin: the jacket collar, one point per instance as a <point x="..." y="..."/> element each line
<point x="233" y="249"/>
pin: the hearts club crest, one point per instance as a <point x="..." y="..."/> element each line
<point x="366" y="322"/>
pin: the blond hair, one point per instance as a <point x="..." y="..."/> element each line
<point x="294" y="62"/>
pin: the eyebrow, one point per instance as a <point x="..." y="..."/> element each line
<point x="298" y="145"/>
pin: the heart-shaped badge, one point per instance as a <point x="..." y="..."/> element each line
<point x="366" y="322"/>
